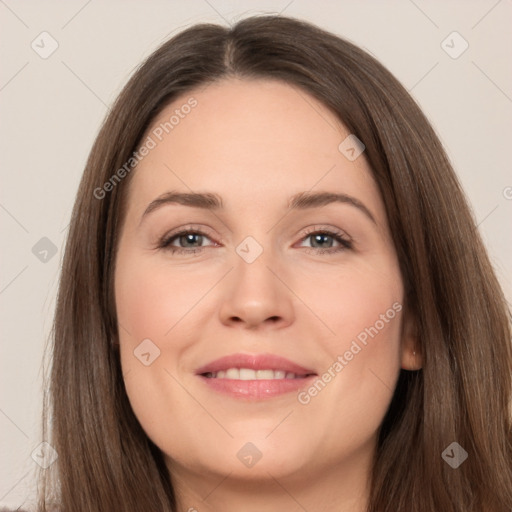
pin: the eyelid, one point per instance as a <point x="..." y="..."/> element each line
<point x="323" y="228"/>
<point x="195" y="228"/>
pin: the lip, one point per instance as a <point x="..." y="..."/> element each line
<point x="254" y="362"/>
<point x="255" y="389"/>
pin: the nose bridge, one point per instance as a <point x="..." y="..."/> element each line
<point x="251" y="274"/>
<point x="256" y="294"/>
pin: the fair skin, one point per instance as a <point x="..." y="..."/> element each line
<point x="256" y="143"/>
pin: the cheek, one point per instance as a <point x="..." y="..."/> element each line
<point x="362" y="308"/>
<point x="151" y="300"/>
<point x="156" y="304"/>
<point x="355" y="302"/>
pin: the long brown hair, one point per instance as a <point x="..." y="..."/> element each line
<point x="463" y="392"/>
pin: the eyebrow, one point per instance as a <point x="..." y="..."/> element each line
<point x="305" y="200"/>
<point x="211" y="201"/>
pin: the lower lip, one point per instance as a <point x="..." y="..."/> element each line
<point x="256" y="389"/>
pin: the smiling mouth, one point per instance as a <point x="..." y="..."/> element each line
<point x="251" y="374"/>
<point x="254" y="376"/>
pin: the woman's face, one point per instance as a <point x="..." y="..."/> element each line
<point x="288" y="273"/>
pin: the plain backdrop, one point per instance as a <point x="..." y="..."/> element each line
<point x="51" y="107"/>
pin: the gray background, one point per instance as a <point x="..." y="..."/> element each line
<point x="51" y="109"/>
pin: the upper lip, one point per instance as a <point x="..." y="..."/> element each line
<point x="254" y="362"/>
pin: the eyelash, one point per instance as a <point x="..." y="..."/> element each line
<point x="338" y="236"/>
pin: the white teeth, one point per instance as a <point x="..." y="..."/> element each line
<point x="233" y="373"/>
<point x="247" y="374"/>
<point x="250" y="374"/>
<point x="265" y="374"/>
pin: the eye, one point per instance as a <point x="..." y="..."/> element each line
<point x="186" y="241"/>
<point x="324" y="240"/>
<point x="190" y="241"/>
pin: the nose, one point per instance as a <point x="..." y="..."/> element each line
<point x="256" y="296"/>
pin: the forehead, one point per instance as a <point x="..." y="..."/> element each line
<point x="249" y="140"/>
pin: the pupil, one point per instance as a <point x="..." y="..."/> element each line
<point x="319" y="238"/>
<point x="190" y="238"/>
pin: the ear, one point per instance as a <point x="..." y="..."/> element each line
<point x="410" y="346"/>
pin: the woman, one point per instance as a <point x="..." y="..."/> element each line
<point x="334" y="338"/>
